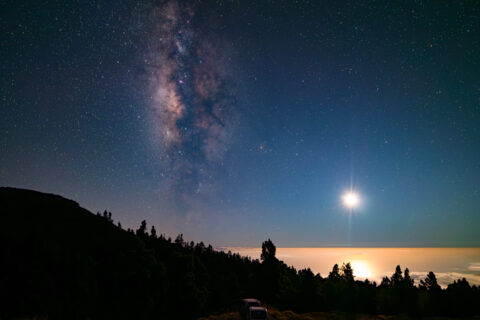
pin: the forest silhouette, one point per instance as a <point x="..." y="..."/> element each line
<point x="61" y="261"/>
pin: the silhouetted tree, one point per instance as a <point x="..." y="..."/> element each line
<point x="179" y="240"/>
<point x="429" y="283"/>
<point x="430" y="296"/>
<point x="119" y="225"/>
<point x="463" y="299"/>
<point x="200" y="247"/>
<point x="347" y="272"/>
<point x="397" y="278"/>
<point x="143" y="229"/>
<point x="408" y="294"/>
<point x="407" y="280"/>
<point x="385" y="282"/>
<point x="153" y="232"/>
<point x="308" y="286"/>
<point x="268" y="251"/>
<point x="335" y="273"/>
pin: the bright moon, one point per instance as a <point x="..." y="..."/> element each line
<point x="350" y="199"/>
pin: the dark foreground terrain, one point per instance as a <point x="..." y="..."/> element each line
<point x="330" y="315"/>
<point x="59" y="261"/>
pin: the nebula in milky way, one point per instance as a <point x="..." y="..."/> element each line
<point x="192" y="99"/>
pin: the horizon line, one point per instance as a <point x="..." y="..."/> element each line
<point x="359" y="247"/>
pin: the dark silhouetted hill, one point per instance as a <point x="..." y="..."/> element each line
<point x="59" y="259"/>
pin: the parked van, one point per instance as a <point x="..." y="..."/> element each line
<point x="257" y="313"/>
<point x="246" y="304"/>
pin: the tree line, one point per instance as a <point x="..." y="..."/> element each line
<point x="216" y="281"/>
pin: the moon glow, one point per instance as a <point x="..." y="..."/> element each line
<point x="350" y="199"/>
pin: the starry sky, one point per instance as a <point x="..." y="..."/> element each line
<point x="235" y="121"/>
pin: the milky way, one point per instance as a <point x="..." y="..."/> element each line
<point x="192" y="100"/>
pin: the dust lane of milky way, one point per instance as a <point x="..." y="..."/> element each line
<point x="193" y="100"/>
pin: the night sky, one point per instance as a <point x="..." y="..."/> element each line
<point x="235" y="121"/>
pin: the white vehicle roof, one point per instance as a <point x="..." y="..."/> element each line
<point x="258" y="309"/>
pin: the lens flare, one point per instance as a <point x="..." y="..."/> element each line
<point x="351" y="199"/>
